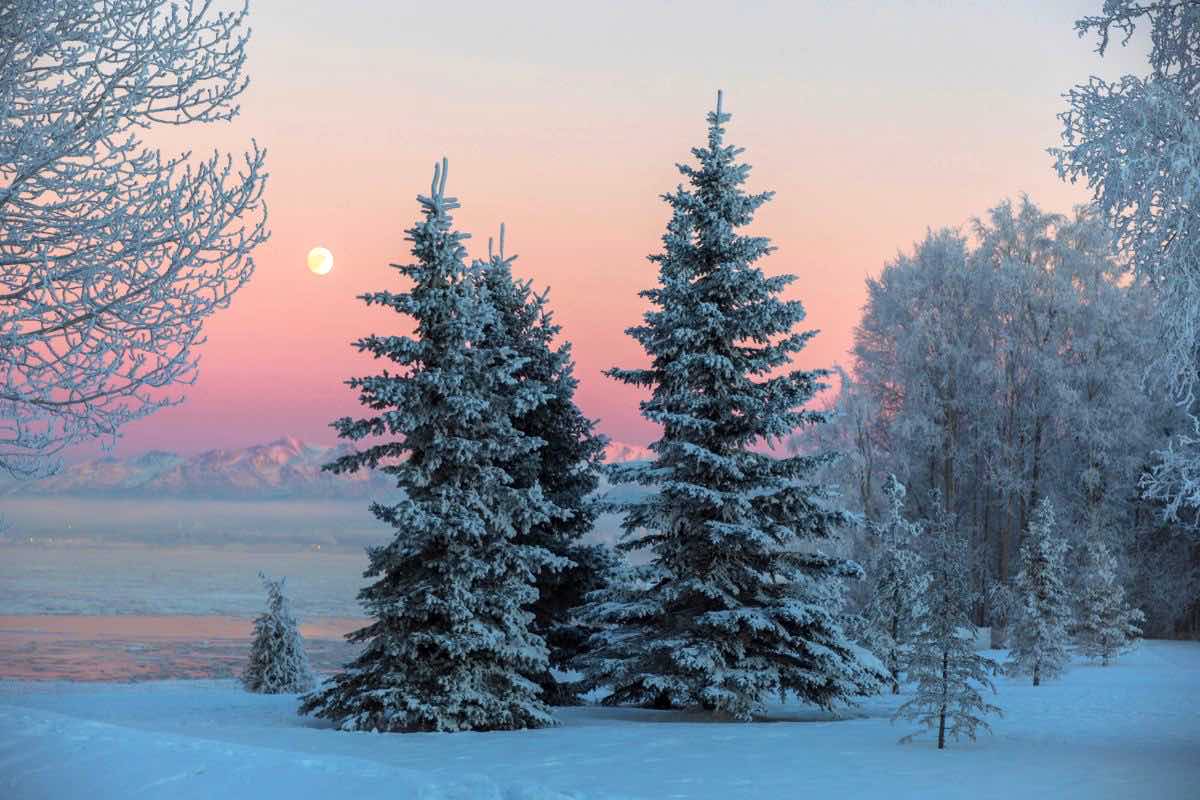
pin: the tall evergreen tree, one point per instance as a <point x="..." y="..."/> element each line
<point x="1039" y="638"/>
<point x="566" y="466"/>
<point x="278" y="662"/>
<point x="450" y="645"/>
<point x="898" y="584"/>
<point x="948" y="671"/>
<point x="1106" y="625"/>
<point x="736" y="602"/>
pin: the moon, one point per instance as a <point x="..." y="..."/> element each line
<point x="320" y="261"/>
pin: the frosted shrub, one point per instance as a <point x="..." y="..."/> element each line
<point x="278" y="663"/>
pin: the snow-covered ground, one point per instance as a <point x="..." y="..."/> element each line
<point x="1128" y="731"/>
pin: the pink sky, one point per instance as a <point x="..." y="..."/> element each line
<point x="871" y="121"/>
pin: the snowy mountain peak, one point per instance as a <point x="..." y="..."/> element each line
<point x="285" y="467"/>
<point x="621" y="452"/>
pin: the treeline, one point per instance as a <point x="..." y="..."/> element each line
<point x="1006" y="364"/>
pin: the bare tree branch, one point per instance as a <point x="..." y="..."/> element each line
<point x="112" y="255"/>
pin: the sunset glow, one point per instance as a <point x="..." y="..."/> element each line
<point x="866" y="139"/>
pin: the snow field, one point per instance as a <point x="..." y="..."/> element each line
<point x="1127" y="731"/>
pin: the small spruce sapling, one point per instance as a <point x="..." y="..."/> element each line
<point x="898" y="584"/>
<point x="1106" y="626"/>
<point x="278" y="662"/>
<point x="948" y="672"/>
<point x="1039" y="638"/>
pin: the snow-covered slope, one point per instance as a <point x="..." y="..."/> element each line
<point x="1127" y="731"/>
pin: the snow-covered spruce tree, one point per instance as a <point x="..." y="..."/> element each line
<point x="898" y="584"/>
<point x="450" y="643"/>
<point x="948" y="672"/>
<point x="566" y="466"/>
<point x="736" y="602"/>
<point x="278" y="662"/>
<point x="1038" y="636"/>
<point x="1106" y="625"/>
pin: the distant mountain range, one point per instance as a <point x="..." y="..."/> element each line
<point x="283" y="468"/>
<point x="286" y="467"/>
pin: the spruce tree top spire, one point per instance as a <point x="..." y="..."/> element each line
<point x="716" y="133"/>
<point x="493" y="256"/>
<point x="437" y="188"/>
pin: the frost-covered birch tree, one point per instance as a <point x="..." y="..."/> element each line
<point x="450" y="644"/>
<point x="566" y="467"/>
<point x="1007" y="369"/>
<point x="112" y="253"/>
<point x="949" y="674"/>
<point x="738" y="601"/>
<point x="898" y="584"/>
<point x="1106" y="625"/>
<point x="278" y="661"/>
<point x="1042" y="613"/>
<point x="1135" y="142"/>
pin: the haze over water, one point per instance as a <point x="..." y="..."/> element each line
<point x="135" y="611"/>
<point x="131" y="589"/>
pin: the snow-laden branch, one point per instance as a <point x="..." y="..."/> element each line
<point x="113" y="254"/>
<point x="1135" y="142"/>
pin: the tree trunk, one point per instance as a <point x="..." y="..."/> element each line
<point x="1005" y="536"/>
<point x="948" y="463"/>
<point x="1022" y="522"/>
<point x="945" y="692"/>
<point x="895" y="657"/>
<point x="1000" y="627"/>
<point x="863" y="441"/>
<point x="983" y="551"/>
<point x="1035" y="477"/>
